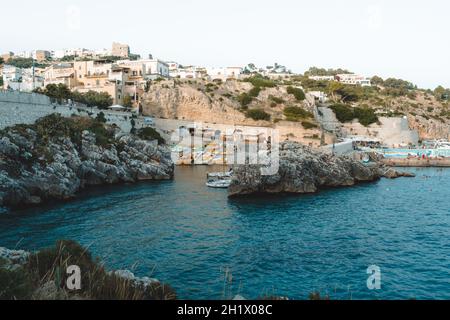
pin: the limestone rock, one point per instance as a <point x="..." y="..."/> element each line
<point x="303" y="170"/>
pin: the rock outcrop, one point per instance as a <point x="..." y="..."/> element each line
<point x="35" y="168"/>
<point x="303" y="170"/>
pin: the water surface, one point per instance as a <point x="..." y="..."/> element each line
<point x="190" y="236"/>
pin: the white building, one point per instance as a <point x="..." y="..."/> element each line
<point x="151" y="68"/>
<point x="353" y="79"/>
<point x="189" y="72"/>
<point x="319" y="96"/>
<point x="321" y="78"/>
<point x="224" y="73"/>
<point x="21" y="79"/>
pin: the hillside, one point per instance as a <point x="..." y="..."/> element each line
<point x="281" y="102"/>
<point x="254" y="102"/>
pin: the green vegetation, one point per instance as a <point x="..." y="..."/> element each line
<point x="245" y="99"/>
<point x="24" y="63"/>
<point x="345" y="113"/>
<point x="258" y="114"/>
<point x="314" y="71"/>
<point x="296" y="92"/>
<point x="50" y="265"/>
<point x="254" y="92"/>
<point x="61" y="93"/>
<point x="309" y="125"/>
<point x="441" y="93"/>
<point x="276" y="100"/>
<point x="149" y="133"/>
<point x="262" y="82"/>
<point x="296" y="114"/>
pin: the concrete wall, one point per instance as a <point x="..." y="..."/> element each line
<point x="391" y="131"/>
<point x="26" y="108"/>
<point x="341" y="148"/>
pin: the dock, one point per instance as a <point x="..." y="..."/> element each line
<point x="416" y="162"/>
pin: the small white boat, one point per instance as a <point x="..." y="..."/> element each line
<point x="223" y="184"/>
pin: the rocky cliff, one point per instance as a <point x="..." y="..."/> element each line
<point x="303" y="170"/>
<point x="57" y="157"/>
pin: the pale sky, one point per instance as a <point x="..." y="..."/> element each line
<point x="408" y="39"/>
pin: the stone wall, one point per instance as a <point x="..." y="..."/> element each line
<point x="25" y="108"/>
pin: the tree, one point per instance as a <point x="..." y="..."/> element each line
<point x="333" y="89"/>
<point x="2" y="61"/>
<point x="376" y="80"/>
<point x="127" y="101"/>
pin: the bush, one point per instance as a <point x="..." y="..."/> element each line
<point x="309" y="125"/>
<point x="262" y="82"/>
<point x="296" y="113"/>
<point x="345" y="113"/>
<point x="258" y="114"/>
<point x="51" y="265"/>
<point x="245" y="99"/>
<point x="296" y="92"/>
<point x="149" y="133"/>
<point x="254" y="92"/>
<point x="15" y="284"/>
<point x="276" y="99"/>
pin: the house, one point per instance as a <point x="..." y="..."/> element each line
<point x="21" y="79"/>
<point x="189" y="72"/>
<point x="322" y="78"/>
<point x="224" y="73"/>
<point x="353" y="79"/>
<point x="61" y="73"/>
<point x="319" y="96"/>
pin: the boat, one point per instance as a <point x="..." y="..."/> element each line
<point x="221" y="183"/>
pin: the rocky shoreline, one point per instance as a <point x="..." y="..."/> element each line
<point x="57" y="157"/>
<point x="304" y="170"/>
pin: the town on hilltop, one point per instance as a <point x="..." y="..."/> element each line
<point x="319" y="108"/>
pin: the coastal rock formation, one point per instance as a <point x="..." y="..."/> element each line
<point x="303" y="170"/>
<point x="57" y="157"/>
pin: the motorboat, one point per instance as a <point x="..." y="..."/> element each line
<point x="220" y="183"/>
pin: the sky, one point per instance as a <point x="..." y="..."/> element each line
<point x="407" y="39"/>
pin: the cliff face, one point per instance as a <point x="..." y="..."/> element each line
<point x="303" y="170"/>
<point x="185" y="102"/>
<point x="38" y="163"/>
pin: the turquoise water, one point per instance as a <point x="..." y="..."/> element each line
<point x="187" y="235"/>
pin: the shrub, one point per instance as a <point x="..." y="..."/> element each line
<point x="296" y="92"/>
<point x="245" y="99"/>
<point x="277" y="100"/>
<point x="149" y="133"/>
<point x="345" y="113"/>
<point x="262" y="82"/>
<point x="15" y="284"/>
<point x="258" y="114"/>
<point x="296" y="113"/>
<point x="51" y="265"/>
<point x="254" y="92"/>
<point x="309" y="125"/>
